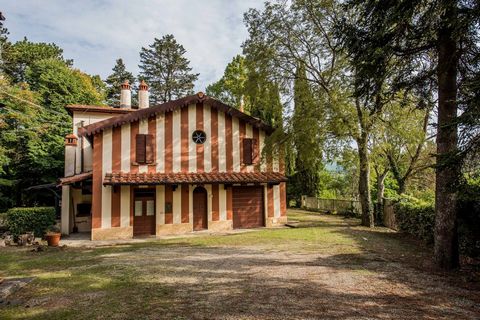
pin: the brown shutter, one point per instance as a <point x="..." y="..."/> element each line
<point x="247" y="151"/>
<point x="140" y="156"/>
<point x="255" y="156"/>
<point x="150" y="148"/>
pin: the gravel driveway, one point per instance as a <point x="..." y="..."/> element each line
<point x="332" y="269"/>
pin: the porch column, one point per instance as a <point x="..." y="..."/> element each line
<point x="65" y="217"/>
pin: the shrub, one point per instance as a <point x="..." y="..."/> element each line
<point x="469" y="215"/>
<point x="37" y="219"/>
<point x="416" y="217"/>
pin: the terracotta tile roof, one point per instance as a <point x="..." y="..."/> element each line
<point x="170" y="106"/>
<point x="75" y="178"/>
<point x="97" y="109"/>
<point x="119" y="178"/>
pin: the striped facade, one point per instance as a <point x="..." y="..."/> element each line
<point x="112" y="214"/>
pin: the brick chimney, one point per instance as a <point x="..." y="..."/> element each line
<point x="143" y="96"/>
<point x="70" y="154"/>
<point x="125" y="95"/>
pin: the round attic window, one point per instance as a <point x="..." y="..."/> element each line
<point x="199" y="137"/>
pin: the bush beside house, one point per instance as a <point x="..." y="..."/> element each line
<point x="37" y="219"/>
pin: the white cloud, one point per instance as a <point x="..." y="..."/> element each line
<point x="94" y="33"/>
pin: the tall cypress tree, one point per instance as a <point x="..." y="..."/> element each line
<point x="306" y="135"/>
<point x="113" y="81"/>
<point x="164" y="67"/>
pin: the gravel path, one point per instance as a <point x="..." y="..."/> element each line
<point x="246" y="283"/>
<point x="330" y="268"/>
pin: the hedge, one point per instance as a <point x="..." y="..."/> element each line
<point x="37" y="219"/>
<point x="416" y="217"/>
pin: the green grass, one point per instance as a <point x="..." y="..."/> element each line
<point x="107" y="281"/>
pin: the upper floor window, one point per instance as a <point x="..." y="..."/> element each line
<point x="144" y="152"/>
<point x="250" y="151"/>
<point x="199" y="137"/>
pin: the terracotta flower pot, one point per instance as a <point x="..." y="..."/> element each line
<point x="53" y="239"/>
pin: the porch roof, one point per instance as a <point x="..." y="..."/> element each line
<point x="75" y="178"/>
<point x="122" y="178"/>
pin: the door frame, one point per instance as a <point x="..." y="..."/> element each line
<point x="152" y="189"/>
<point x="205" y="215"/>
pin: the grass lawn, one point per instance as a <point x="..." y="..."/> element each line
<point x="329" y="267"/>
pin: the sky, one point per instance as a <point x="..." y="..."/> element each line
<point x="94" y="33"/>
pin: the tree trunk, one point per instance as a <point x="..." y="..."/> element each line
<point x="363" y="183"/>
<point x="446" y="242"/>
<point x="402" y="186"/>
<point x="380" y="192"/>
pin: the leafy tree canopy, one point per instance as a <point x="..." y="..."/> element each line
<point x="231" y="87"/>
<point x="60" y="85"/>
<point x="23" y="54"/>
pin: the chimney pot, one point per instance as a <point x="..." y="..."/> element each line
<point x="143" y="85"/>
<point x="125" y="95"/>
<point x="143" y="102"/>
<point x="71" y="140"/>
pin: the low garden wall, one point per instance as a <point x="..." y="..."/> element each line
<point x="331" y="205"/>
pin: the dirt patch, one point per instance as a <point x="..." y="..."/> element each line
<point x="10" y="286"/>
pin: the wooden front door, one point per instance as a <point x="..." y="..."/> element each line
<point x="144" y="212"/>
<point x="200" y="217"/>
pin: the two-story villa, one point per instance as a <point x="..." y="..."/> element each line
<point x="186" y="165"/>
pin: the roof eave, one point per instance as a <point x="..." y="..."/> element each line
<point x="171" y="106"/>
<point x="71" y="108"/>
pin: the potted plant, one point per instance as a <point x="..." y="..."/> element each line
<point x="53" y="236"/>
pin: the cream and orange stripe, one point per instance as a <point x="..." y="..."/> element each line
<point x="114" y="150"/>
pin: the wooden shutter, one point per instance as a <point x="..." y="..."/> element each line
<point x="255" y="155"/>
<point x="149" y="148"/>
<point x="247" y="151"/>
<point x="140" y="155"/>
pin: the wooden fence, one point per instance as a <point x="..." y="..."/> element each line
<point x="331" y="205"/>
<point x="348" y="206"/>
<point x="388" y="216"/>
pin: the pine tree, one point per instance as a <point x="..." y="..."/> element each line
<point x="4" y="44"/>
<point x="164" y="67"/>
<point x="113" y="81"/>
